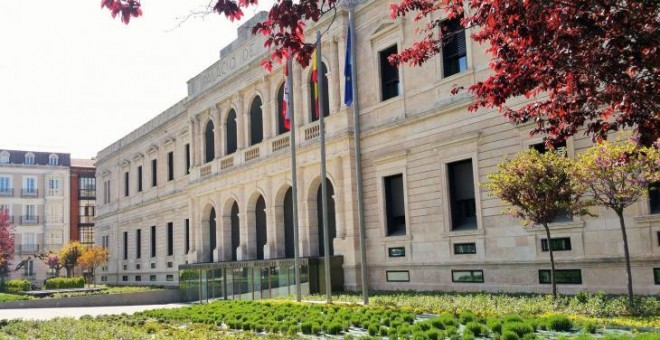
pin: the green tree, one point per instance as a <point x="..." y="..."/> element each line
<point x="536" y="187"/>
<point x="617" y="175"/>
<point x="69" y="255"/>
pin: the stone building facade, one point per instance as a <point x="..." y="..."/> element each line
<point x="34" y="190"/>
<point x="209" y="179"/>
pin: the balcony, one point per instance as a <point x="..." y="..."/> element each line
<point x="54" y="192"/>
<point x="29" y="192"/>
<point x="28" y="249"/>
<point x="7" y="192"/>
<point x="29" y="220"/>
<point x="10" y="219"/>
<point x="85" y="219"/>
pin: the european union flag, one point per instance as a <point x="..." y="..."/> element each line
<point x="348" y="84"/>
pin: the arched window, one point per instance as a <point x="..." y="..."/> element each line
<point x="209" y="141"/>
<point x="289" y="247"/>
<point x="280" y="117"/>
<point x="256" y="122"/>
<point x="53" y="159"/>
<point x="29" y="158"/>
<point x="231" y="132"/>
<point x="312" y="96"/>
<point x="260" y="224"/>
<point x="235" y="231"/>
<point x="332" y="226"/>
<point x="4" y="157"/>
<point x="212" y="234"/>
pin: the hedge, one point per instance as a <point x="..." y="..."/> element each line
<point x="65" y="282"/>
<point x="17" y="286"/>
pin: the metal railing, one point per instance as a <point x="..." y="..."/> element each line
<point x="29" y="219"/>
<point x="29" y="192"/>
<point x="7" y="192"/>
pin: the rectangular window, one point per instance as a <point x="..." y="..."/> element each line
<point x="125" y="245"/>
<point x="465" y="248"/>
<point x="170" y="166"/>
<point x="394" y="205"/>
<point x="656" y="275"/>
<point x="5" y="186"/>
<point x="654" y="197"/>
<point x="562" y="276"/>
<point x="153" y="265"/>
<point x="389" y="74"/>
<point x="187" y="159"/>
<point x="138" y="243"/>
<point x="87" y="188"/>
<point x="476" y="276"/>
<point x="153" y="241"/>
<point x="454" y="51"/>
<point x="126" y="184"/>
<point x="29" y="186"/>
<point x="461" y="191"/>
<point x="138" y="278"/>
<point x="105" y="241"/>
<point x="558" y="244"/>
<point x="187" y="240"/>
<point x="169" y="277"/>
<point x="139" y="178"/>
<point x="396" y="252"/>
<point x="152" y="277"/>
<point x="154" y="172"/>
<point x="31" y="212"/>
<point x="397" y="276"/>
<point x="138" y="266"/>
<point x="106" y="191"/>
<point x="562" y="215"/>
<point x="170" y="264"/>
<point x="170" y="239"/>
<point x="124" y="278"/>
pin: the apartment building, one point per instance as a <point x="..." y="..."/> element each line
<point x="34" y="190"/>
<point x="83" y="200"/>
<point x="209" y="180"/>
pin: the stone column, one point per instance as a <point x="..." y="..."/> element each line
<point x="241" y="123"/>
<point x="202" y="148"/>
<point x="298" y="83"/>
<point x="341" y="56"/>
<point x="193" y="142"/>
<point x="334" y="76"/>
<point x="217" y="148"/>
<point x="267" y="113"/>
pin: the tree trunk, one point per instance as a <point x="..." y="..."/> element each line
<point x="627" y="256"/>
<point x="552" y="262"/>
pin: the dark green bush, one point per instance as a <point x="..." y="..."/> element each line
<point x="65" y="282"/>
<point x="559" y="323"/>
<point x="17" y="286"/>
<point x="434" y="334"/>
<point x="509" y="335"/>
<point x="448" y="319"/>
<point x="476" y="328"/>
<point x="373" y="329"/>
<point x="512" y="318"/>
<point x="437" y="323"/>
<point x="468" y="335"/>
<point x="466" y="317"/>
<point x="520" y="328"/>
<point x="495" y="326"/>
<point x="306" y="327"/>
<point x="334" y="328"/>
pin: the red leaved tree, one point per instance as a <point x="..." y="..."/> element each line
<point x="6" y="245"/>
<point x="587" y="62"/>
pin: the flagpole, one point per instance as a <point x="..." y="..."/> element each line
<point x="294" y="176"/>
<point x="358" y="155"/>
<point x="324" y="189"/>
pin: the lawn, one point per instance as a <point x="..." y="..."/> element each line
<point x="12" y="297"/>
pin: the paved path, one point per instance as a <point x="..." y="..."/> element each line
<point x="76" y="312"/>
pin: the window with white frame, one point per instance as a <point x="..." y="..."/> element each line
<point x="53" y="159"/>
<point x="4" y="157"/>
<point x="5" y="208"/>
<point x="53" y="186"/>
<point x="29" y="158"/>
<point x="29" y="185"/>
<point x="29" y="242"/>
<point x="5" y="186"/>
<point x="28" y="268"/>
<point x="30" y="212"/>
<point x="454" y="47"/>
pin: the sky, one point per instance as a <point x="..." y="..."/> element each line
<point x="75" y="80"/>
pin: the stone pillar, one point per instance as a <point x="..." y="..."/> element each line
<point x="333" y="75"/>
<point x="217" y="136"/>
<point x="193" y="142"/>
<point x="305" y="114"/>
<point x="341" y="56"/>
<point x="224" y="230"/>
<point x="241" y="123"/>
<point x="266" y="111"/>
<point x="298" y="83"/>
<point x="202" y="148"/>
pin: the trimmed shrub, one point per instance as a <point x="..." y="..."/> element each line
<point x="65" y="282"/>
<point x="559" y="323"/>
<point x="466" y="317"/>
<point x="495" y="326"/>
<point x="475" y="328"/>
<point x="437" y="323"/>
<point x="17" y="286"/>
<point x="434" y="334"/>
<point x="448" y="319"/>
<point x="335" y="328"/>
<point x="468" y="335"/>
<point x="373" y="329"/>
<point x="519" y="328"/>
<point x="306" y="327"/>
<point x="509" y="335"/>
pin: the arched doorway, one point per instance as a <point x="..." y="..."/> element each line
<point x="235" y="231"/>
<point x="332" y="227"/>
<point x="289" y="245"/>
<point x="232" y="139"/>
<point x="209" y="142"/>
<point x="212" y="234"/>
<point x="260" y="225"/>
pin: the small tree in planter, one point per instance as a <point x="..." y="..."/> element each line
<point x="92" y="258"/>
<point x="69" y="255"/>
<point x="618" y="175"/>
<point x="536" y="188"/>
